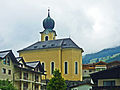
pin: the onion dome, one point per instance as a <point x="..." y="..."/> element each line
<point x="48" y="23"/>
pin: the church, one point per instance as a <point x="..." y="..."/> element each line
<point x="62" y="54"/>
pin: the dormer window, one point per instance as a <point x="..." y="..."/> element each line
<point x="52" y="44"/>
<point x="43" y="45"/>
<point x="64" y="44"/>
<point x="35" y="46"/>
<point x="46" y="38"/>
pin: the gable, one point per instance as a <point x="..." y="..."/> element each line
<point x="8" y="53"/>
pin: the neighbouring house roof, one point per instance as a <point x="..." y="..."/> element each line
<point x="100" y="63"/>
<point x="3" y="54"/>
<point x="33" y="64"/>
<point x="113" y="62"/>
<point x="85" y="82"/>
<point x="111" y="73"/>
<point x="92" y="66"/>
<point x="19" y="59"/>
<point x="59" y="43"/>
<point x="26" y="69"/>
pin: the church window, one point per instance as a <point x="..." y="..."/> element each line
<point x="66" y="67"/>
<point x="46" y="38"/>
<point x="76" y="67"/>
<point x="52" y="67"/>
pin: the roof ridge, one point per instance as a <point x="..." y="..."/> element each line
<point x="5" y="51"/>
<point x="32" y="62"/>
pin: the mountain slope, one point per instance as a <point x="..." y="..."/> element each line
<point x="105" y="54"/>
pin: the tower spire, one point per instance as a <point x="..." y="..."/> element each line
<point x="48" y="12"/>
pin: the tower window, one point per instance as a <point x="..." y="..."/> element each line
<point x="46" y="38"/>
<point x="52" y="67"/>
<point x="76" y="67"/>
<point x="66" y="67"/>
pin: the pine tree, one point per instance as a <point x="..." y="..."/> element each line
<point x="56" y="82"/>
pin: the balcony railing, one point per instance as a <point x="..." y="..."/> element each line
<point x="106" y="88"/>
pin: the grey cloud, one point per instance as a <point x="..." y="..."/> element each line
<point x="92" y="24"/>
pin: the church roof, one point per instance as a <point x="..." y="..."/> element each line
<point x="59" y="43"/>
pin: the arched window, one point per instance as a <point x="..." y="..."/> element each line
<point x="66" y="67"/>
<point x="52" y="67"/>
<point x="43" y="66"/>
<point x="76" y="67"/>
<point x="46" y="38"/>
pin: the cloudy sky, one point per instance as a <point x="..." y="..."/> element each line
<point x="92" y="24"/>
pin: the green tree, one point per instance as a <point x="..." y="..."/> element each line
<point x="56" y="82"/>
<point x="6" y="85"/>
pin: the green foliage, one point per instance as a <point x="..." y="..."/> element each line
<point x="6" y="85"/>
<point x="57" y="82"/>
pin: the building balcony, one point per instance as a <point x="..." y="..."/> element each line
<point x="106" y="88"/>
<point x="43" y="82"/>
<point x="29" y="80"/>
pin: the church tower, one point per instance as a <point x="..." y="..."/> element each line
<point x="62" y="54"/>
<point x="48" y="33"/>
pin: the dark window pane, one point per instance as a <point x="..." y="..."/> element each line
<point x="25" y="86"/>
<point x="66" y="68"/>
<point x="25" y="76"/>
<point x="108" y="83"/>
<point x="36" y="78"/>
<point x="43" y="66"/>
<point x="4" y="61"/>
<point x="76" y="68"/>
<point x="46" y="38"/>
<point x="4" y="71"/>
<point x="9" y="72"/>
<point x="52" y="67"/>
<point x="8" y="61"/>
